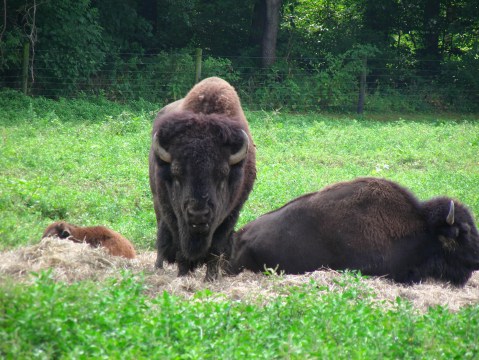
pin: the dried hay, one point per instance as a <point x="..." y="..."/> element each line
<point x="71" y="262"/>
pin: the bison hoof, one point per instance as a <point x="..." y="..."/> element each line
<point x="159" y="264"/>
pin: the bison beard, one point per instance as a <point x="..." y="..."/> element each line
<point x="202" y="169"/>
<point x="372" y="225"/>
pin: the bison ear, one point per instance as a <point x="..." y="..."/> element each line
<point x="241" y="153"/>
<point x="159" y="150"/>
<point x="450" y="215"/>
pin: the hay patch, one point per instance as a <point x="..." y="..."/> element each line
<point x="70" y="262"/>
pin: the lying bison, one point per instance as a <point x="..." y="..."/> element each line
<point x="96" y="236"/>
<point x="202" y="169"/>
<point x="372" y="225"/>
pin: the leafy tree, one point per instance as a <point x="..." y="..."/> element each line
<point x="124" y="29"/>
<point x="70" y="45"/>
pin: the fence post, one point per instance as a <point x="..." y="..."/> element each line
<point x="199" y="54"/>
<point x="26" y="59"/>
<point x="362" y="86"/>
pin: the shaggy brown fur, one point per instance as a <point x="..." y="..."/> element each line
<point x="95" y="236"/>
<point x="202" y="169"/>
<point x="223" y="100"/>
<point x="368" y="224"/>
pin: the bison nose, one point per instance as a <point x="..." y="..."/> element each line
<point x="199" y="219"/>
<point x="198" y="216"/>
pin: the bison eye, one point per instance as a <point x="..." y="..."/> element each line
<point x="64" y="234"/>
<point x="224" y="172"/>
<point x="465" y="228"/>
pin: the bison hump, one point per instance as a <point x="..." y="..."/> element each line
<point x="213" y="95"/>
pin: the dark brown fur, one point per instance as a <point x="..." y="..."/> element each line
<point x="200" y="132"/>
<point x="368" y="224"/>
<point x="95" y="236"/>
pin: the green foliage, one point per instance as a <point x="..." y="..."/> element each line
<point x="124" y="29"/>
<point x="220" y="67"/>
<point x="313" y="29"/>
<point x="10" y="51"/>
<point x="164" y="77"/>
<point x="413" y="71"/>
<point x="132" y="49"/>
<point x="331" y="85"/>
<point x="117" y="320"/>
<point x="67" y="29"/>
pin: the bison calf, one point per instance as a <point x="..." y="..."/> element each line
<point x="368" y="224"/>
<point x="95" y="236"/>
<point x="202" y="169"/>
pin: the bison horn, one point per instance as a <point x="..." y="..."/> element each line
<point x="160" y="150"/>
<point x="241" y="153"/>
<point x="450" y="216"/>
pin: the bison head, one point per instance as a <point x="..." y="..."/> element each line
<point x="60" y="229"/>
<point x="456" y="231"/>
<point x="201" y="160"/>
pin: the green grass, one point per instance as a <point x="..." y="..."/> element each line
<point x="83" y="320"/>
<point x="85" y="161"/>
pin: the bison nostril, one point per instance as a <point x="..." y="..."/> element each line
<point x="198" y="216"/>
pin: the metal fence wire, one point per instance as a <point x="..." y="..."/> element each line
<point x="301" y="84"/>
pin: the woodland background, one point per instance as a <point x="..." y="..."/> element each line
<point x="418" y="55"/>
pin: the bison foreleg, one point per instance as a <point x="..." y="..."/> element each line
<point x="164" y="245"/>
<point x="159" y="262"/>
<point x="183" y="267"/>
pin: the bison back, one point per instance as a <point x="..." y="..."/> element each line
<point x="368" y="224"/>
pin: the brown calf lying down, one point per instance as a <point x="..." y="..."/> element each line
<point x="95" y="236"/>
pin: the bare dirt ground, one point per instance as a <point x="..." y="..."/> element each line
<point x="72" y="262"/>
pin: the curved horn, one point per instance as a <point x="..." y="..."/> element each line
<point x="450" y="216"/>
<point x="241" y="153"/>
<point x="160" y="150"/>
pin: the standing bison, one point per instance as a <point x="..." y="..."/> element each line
<point x="368" y="224"/>
<point x="202" y="169"/>
<point x="95" y="236"/>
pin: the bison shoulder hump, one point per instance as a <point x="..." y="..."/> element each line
<point x="213" y="95"/>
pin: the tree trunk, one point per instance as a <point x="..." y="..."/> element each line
<point x="431" y="32"/>
<point x="270" y="32"/>
<point x="257" y="23"/>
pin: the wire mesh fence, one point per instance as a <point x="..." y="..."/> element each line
<point x="297" y="84"/>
